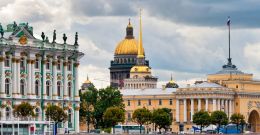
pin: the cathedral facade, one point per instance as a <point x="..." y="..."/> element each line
<point x="40" y="72"/>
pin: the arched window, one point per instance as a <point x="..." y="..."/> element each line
<point x="37" y="113"/>
<point x="69" y="66"/>
<point x="69" y="88"/>
<point x="7" y="61"/>
<point x="22" y="64"/>
<point x="59" y="88"/>
<point x="48" y="88"/>
<point x="7" y="86"/>
<point x="7" y="113"/>
<point x="37" y="88"/>
<point x="22" y="87"/>
<point x="48" y="64"/>
<point x="70" y="117"/>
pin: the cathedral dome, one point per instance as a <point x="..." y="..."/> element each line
<point x="127" y="47"/>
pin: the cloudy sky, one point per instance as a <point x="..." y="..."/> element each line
<point x="188" y="39"/>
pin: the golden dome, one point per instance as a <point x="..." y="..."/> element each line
<point x="87" y="81"/>
<point x="127" y="47"/>
<point x="140" y="69"/>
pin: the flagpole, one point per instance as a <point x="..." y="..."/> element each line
<point x="229" y="40"/>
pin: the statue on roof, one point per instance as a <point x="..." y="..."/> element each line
<point x="1" y="31"/>
<point x="64" y="38"/>
<point x="43" y="36"/>
<point x="54" y="36"/>
<point x="47" y="39"/>
<point x="27" y="25"/>
<point x="76" y="39"/>
<point x="14" y="26"/>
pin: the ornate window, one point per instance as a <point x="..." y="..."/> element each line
<point x="139" y="102"/>
<point x="7" y="61"/>
<point x="37" y="64"/>
<point x="149" y="102"/>
<point x="59" y="88"/>
<point x="170" y="101"/>
<point x="69" y="66"/>
<point x="22" y="64"/>
<point x="7" y="86"/>
<point x="48" y="64"/>
<point x="69" y="88"/>
<point x="37" y="88"/>
<point x="22" y="87"/>
<point x="8" y="113"/>
<point x="48" y="88"/>
<point x="160" y="102"/>
<point x="128" y="103"/>
<point x="59" y="65"/>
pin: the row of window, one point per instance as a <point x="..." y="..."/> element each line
<point x="37" y="87"/>
<point x="37" y="64"/>
<point x="139" y="102"/>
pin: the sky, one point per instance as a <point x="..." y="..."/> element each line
<point x="188" y="39"/>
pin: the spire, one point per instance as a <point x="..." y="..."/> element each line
<point x="228" y="24"/>
<point x="171" y="77"/>
<point x="140" y="44"/>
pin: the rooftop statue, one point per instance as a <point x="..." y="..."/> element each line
<point x="14" y="26"/>
<point x="54" y="36"/>
<point x="43" y="36"/>
<point x="76" y="38"/>
<point x="64" y="38"/>
<point x="1" y="31"/>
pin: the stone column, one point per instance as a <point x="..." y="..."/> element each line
<point x="177" y="110"/>
<point x="219" y="105"/>
<point x="185" y="110"/>
<point x="14" y="75"/>
<point x="230" y="107"/>
<point x="2" y="58"/>
<point x="76" y="82"/>
<point x="191" y="109"/>
<point x="65" y="76"/>
<point x="77" y="120"/>
<point x="207" y="104"/>
<point x="29" y="85"/>
<point x="222" y="107"/>
<point x="214" y="104"/>
<point x="199" y="104"/>
<point x="54" y="67"/>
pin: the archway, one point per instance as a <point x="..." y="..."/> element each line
<point x="254" y="121"/>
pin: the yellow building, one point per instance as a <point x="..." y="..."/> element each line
<point x="229" y="90"/>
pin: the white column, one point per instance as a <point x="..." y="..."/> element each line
<point x="77" y="120"/>
<point x="177" y="110"/>
<point x="18" y="74"/>
<point x="229" y="108"/>
<point x="219" y="105"/>
<point x="54" y="65"/>
<point x="214" y="104"/>
<point x="222" y="107"/>
<point x="76" y="82"/>
<point x="185" y="110"/>
<point x="33" y="77"/>
<point x="43" y="61"/>
<point x="226" y="106"/>
<point x="2" y="58"/>
<point x="65" y="76"/>
<point x="29" y="92"/>
<point x="199" y="104"/>
<point x="14" y="73"/>
<point x="207" y="104"/>
<point x="191" y="109"/>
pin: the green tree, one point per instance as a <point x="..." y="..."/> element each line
<point x="108" y="97"/>
<point x="201" y="118"/>
<point x="88" y="101"/>
<point x="162" y="118"/>
<point x="113" y="115"/>
<point x="237" y="119"/>
<point x="23" y="110"/>
<point x="56" y="114"/>
<point x="142" y="116"/>
<point x="219" y="118"/>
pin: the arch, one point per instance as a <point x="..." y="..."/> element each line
<point x="254" y="121"/>
<point x="48" y="88"/>
<point x="59" y="88"/>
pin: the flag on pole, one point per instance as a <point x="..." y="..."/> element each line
<point x="228" y="21"/>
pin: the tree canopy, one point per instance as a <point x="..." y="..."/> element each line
<point x="219" y="118"/>
<point x="162" y="118"/>
<point x="55" y="113"/>
<point x="113" y="115"/>
<point x="142" y="116"/>
<point x="237" y="119"/>
<point x="201" y="118"/>
<point x="23" y="110"/>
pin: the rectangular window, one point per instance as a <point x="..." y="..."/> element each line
<point x="160" y="102"/>
<point x="37" y="64"/>
<point x="7" y="62"/>
<point x="48" y="64"/>
<point x="69" y="66"/>
<point x="128" y="116"/>
<point x="149" y="102"/>
<point x="170" y="101"/>
<point x="59" y="65"/>
<point x="128" y="103"/>
<point x="139" y="102"/>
